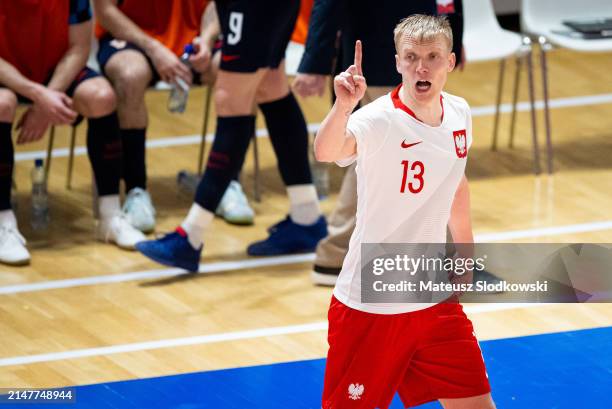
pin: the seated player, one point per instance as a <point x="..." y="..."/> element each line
<point x="411" y="148"/>
<point x="46" y="68"/>
<point x="140" y="44"/>
<point x="252" y="71"/>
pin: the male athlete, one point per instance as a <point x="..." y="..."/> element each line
<point x="44" y="46"/>
<point x="354" y="20"/>
<point x="252" y="71"/>
<point x="411" y="149"/>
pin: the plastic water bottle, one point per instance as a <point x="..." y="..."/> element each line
<point x="187" y="181"/>
<point x="40" y="200"/>
<point x="180" y="89"/>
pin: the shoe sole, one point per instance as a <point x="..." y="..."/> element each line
<point x="327" y="280"/>
<point x="17" y="263"/>
<point x="166" y="262"/>
<point x="240" y="222"/>
<point x="144" y="230"/>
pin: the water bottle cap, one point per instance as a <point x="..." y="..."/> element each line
<point x="38" y="163"/>
<point x="188" y="49"/>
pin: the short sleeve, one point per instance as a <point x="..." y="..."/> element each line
<point x="369" y="127"/>
<point x="80" y="11"/>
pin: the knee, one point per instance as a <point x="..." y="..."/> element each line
<point x="97" y="99"/>
<point x="131" y="83"/>
<point x="272" y="88"/>
<point x="229" y="103"/>
<point x="8" y="105"/>
<point x="105" y="100"/>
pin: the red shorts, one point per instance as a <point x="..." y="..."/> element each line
<point x="424" y="355"/>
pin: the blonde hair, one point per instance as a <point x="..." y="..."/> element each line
<point x="421" y="27"/>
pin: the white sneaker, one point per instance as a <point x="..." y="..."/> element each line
<point x="234" y="206"/>
<point x="12" y="247"/>
<point x="118" y="230"/>
<point x="139" y="210"/>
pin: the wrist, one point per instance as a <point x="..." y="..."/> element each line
<point x="33" y="91"/>
<point x="208" y="41"/>
<point x="345" y="106"/>
<point x="150" y="46"/>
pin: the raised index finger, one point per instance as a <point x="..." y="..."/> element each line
<point x="358" y="57"/>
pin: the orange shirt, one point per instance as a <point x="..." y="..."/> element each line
<point x="34" y="35"/>
<point x="174" y="23"/>
<point x="301" y="25"/>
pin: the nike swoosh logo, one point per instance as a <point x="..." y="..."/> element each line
<point x="227" y="58"/>
<point x="408" y="145"/>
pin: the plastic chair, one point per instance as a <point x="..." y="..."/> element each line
<point x="543" y="19"/>
<point x="485" y="40"/>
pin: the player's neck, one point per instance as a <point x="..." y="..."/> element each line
<point x="428" y="112"/>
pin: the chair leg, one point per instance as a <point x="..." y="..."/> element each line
<point x="71" y="158"/>
<point x="204" y="129"/>
<point x="49" y="153"/>
<point x="536" y="148"/>
<point x="544" y="48"/>
<point x="256" y="175"/>
<point x="500" y="86"/>
<point x="517" y="80"/>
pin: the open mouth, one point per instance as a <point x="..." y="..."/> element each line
<point x="423" y="86"/>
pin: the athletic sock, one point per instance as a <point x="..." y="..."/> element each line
<point x="7" y="218"/>
<point x="289" y="137"/>
<point x="104" y="150"/>
<point x="225" y="160"/>
<point x="134" y="158"/>
<point x="7" y="161"/>
<point x="109" y="206"/>
<point x="304" y="203"/>
<point x="195" y="224"/>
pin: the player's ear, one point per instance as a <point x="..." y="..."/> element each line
<point x="452" y="60"/>
<point x="397" y="64"/>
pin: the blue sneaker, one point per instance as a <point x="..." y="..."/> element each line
<point x="172" y="250"/>
<point x="287" y="237"/>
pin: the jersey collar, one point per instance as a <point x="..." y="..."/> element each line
<point x="397" y="103"/>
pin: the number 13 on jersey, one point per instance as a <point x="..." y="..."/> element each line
<point x="416" y="183"/>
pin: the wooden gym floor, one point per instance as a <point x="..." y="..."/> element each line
<point x="38" y="325"/>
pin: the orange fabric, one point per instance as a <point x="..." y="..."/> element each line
<point x="34" y="35"/>
<point x="301" y="25"/>
<point x="174" y="23"/>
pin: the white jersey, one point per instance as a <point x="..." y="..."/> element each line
<point x="407" y="176"/>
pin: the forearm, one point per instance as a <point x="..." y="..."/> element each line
<point x="11" y="78"/>
<point x="210" y="27"/>
<point x="69" y="67"/>
<point x="460" y="223"/>
<point x="121" y="27"/>
<point x="331" y="141"/>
